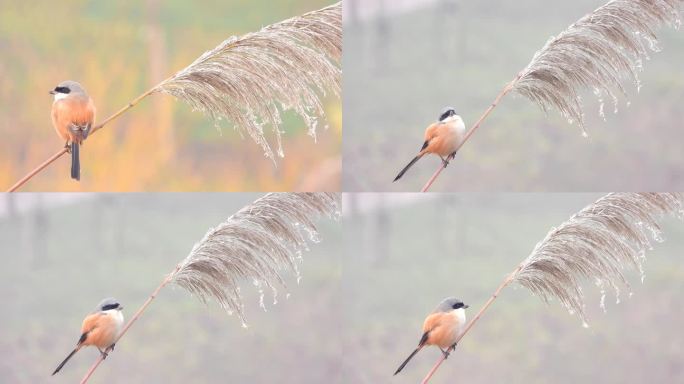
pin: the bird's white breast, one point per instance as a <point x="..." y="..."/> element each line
<point x="460" y="127"/>
<point x="456" y="132"/>
<point x="118" y="318"/>
<point x="456" y="122"/>
<point x="461" y="319"/>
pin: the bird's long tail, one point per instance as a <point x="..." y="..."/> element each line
<point x="407" y="360"/>
<point x="408" y="166"/>
<point x="65" y="360"/>
<point x="75" y="161"/>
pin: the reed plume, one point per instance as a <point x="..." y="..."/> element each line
<point x="250" y="79"/>
<point x="255" y="244"/>
<point x="597" y="52"/>
<point x="597" y="244"/>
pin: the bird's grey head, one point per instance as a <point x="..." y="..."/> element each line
<point x="109" y="304"/>
<point x="447" y="113"/>
<point x="66" y="88"/>
<point x="449" y="304"/>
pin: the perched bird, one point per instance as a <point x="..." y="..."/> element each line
<point x="73" y="114"/>
<point x="441" y="138"/>
<point x="100" y="329"/>
<point x="441" y="328"/>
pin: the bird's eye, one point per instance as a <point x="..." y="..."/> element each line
<point x="62" y="90"/>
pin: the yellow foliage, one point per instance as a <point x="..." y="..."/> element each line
<point x="117" y="53"/>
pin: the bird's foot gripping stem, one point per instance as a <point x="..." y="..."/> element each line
<point x="67" y="146"/>
<point x="445" y="353"/>
<point x="446" y="161"/>
<point x="105" y="353"/>
<point x="448" y="351"/>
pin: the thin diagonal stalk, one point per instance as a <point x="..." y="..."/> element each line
<point x="594" y="244"/>
<point x="254" y="243"/>
<point x="133" y="319"/>
<point x="596" y="52"/>
<point x="509" y="87"/>
<point x="61" y="152"/>
<point x="35" y="171"/>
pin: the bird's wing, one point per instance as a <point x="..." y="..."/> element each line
<point x="424" y="338"/>
<point x="90" y="114"/>
<point x="441" y="329"/>
<point x="99" y="330"/>
<point x="91" y="110"/>
<point x="77" y="128"/>
<point x="83" y="338"/>
<point x="73" y="117"/>
<point x="433" y="321"/>
<point x="431" y="131"/>
<point x="81" y="117"/>
<point x="81" y="111"/>
<point x="80" y="131"/>
<point x="425" y="145"/>
<point x="89" y="324"/>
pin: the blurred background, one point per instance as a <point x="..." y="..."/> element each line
<point x="118" y="50"/>
<point x="63" y="253"/>
<point x="358" y="310"/>
<point x="405" y="60"/>
<point x="406" y="252"/>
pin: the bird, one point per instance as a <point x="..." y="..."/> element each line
<point x="442" y="138"/>
<point x="441" y="328"/>
<point x="101" y="329"/>
<point x="73" y="114"/>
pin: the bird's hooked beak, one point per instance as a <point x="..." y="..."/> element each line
<point x="466" y="306"/>
<point x="52" y="92"/>
<point x="120" y="307"/>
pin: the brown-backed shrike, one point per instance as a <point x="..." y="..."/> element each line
<point x="73" y="114"/>
<point x="441" y="328"/>
<point x="442" y="138"/>
<point x="101" y="328"/>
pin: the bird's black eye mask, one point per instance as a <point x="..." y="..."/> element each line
<point x="62" y="90"/>
<point x="110" y="306"/>
<point x="446" y="114"/>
